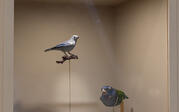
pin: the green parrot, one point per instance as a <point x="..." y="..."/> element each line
<point x="112" y="97"/>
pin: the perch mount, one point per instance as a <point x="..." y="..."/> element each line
<point x="64" y="58"/>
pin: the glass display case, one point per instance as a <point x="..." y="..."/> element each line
<point x="122" y="44"/>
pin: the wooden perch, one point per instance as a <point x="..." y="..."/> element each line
<point x="122" y="107"/>
<point x="64" y="58"/>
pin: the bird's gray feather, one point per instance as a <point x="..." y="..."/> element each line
<point x="66" y="46"/>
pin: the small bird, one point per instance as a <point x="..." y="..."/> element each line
<point x="66" y="46"/>
<point x="112" y="97"/>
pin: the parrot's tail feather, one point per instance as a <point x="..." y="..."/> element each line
<point x="126" y="97"/>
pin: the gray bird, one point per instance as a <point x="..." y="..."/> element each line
<point x="66" y="46"/>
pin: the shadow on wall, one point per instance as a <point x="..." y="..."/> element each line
<point x="58" y="107"/>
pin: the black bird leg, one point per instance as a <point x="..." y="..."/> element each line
<point x="66" y="55"/>
<point x="71" y="54"/>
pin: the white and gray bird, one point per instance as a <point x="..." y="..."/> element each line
<point x="66" y="46"/>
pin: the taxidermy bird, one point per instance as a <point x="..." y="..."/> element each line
<point x="112" y="97"/>
<point x="66" y="46"/>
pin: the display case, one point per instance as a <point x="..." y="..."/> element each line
<point x="123" y="44"/>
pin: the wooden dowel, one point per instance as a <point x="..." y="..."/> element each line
<point x="122" y="107"/>
<point x="69" y="86"/>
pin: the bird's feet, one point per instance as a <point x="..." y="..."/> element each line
<point x="74" y="56"/>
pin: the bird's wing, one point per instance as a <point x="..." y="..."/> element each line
<point x="64" y="44"/>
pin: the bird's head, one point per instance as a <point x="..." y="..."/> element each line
<point x="106" y="89"/>
<point x="75" y="37"/>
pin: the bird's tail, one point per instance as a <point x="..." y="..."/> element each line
<point x="48" y="50"/>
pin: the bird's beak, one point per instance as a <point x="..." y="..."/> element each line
<point x="103" y="91"/>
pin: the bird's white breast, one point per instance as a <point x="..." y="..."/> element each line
<point x="72" y="42"/>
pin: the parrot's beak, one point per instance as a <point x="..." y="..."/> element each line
<point x="104" y="91"/>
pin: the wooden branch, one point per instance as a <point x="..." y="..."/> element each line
<point x="64" y="58"/>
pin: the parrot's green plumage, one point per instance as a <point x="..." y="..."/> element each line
<point x="121" y="96"/>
